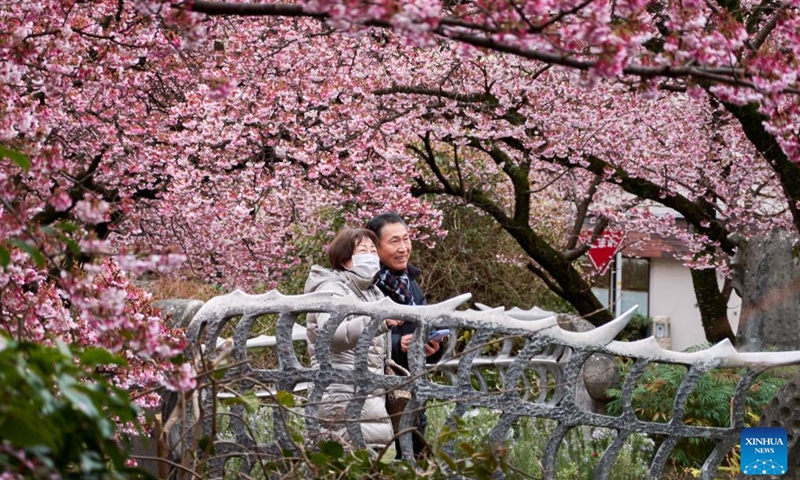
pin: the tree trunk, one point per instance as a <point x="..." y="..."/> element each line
<point x="713" y="305"/>
<point x="562" y="272"/>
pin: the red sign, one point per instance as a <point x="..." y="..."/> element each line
<point x="604" y="249"/>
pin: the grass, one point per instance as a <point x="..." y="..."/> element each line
<point x="163" y="288"/>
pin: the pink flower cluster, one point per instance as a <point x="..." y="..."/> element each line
<point x="91" y="210"/>
<point x="105" y="310"/>
<point x="123" y="320"/>
<point x="22" y="466"/>
<point x="158" y="262"/>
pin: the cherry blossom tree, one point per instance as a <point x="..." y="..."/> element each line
<point x="737" y="56"/>
<point x="592" y="150"/>
<point x="745" y="52"/>
<point x="58" y="205"/>
<point x="135" y="135"/>
<point x="180" y="127"/>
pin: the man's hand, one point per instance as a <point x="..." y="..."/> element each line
<point x="405" y="342"/>
<point x="430" y="348"/>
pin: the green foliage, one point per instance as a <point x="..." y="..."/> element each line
<point x="709" y="404"/>
<point x="57" y="415"/>
<point x="310" y="249"/>
<point x="31" y="250"/>
<point x="62" y="237"/>
<point x="17" y="158"/>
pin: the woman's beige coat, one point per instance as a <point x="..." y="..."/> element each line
<point x="375" y="425"/>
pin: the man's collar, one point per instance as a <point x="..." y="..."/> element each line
<point x="412" y="271"/>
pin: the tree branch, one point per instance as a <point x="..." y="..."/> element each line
<point x="452" y="28"/>
<point x="561" y="276"/>
<point x="762" y="34"/>
<point x="545" y="278"/>
<point x="582" y="210"/>
<point x="435" y="92"/>
<point x="576" y="253"/>
<point x="696" y="214"/>
<point x="788" y="172"/>
<point x="518" y="174"/>
<point x="247" y="9"/>
<point x="421" y="188"/>
<point x="430" y="159"/>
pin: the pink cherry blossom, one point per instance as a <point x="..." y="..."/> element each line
<point x="92" y="210"/>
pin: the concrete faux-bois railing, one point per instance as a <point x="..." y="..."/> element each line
<point x="544" y="351"/>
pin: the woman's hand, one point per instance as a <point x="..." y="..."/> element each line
<point x="393" y="323"/>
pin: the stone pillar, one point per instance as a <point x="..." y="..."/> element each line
<point x="766" y="274"/>
<point x="600" y="371"/>
<point x="767" y="278"/>
<point x="178" y="312"/>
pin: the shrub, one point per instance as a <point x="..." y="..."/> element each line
<point x="494" y="270"/>
<point x="637" y="329"/>
<point x="58" y="417"/>
<point x="520" y="457"/>
<point x="709" y="403"/>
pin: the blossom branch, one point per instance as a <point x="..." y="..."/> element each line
<point x="764" y="33"/>
<point x="434" y="92"/>
<point x="454" y="29"/>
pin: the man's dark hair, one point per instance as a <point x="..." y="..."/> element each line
<point x="379" y="221"/>
<point x="341" y="248"/>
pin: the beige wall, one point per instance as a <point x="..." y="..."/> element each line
<point x="672" y="295"/>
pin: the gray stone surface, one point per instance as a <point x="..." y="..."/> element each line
<point x="784" y="411"/>
<point x="600" y="372"/>
<point x="178" y="312"/>
<point x="767" y="277"/>
<point x="146" y="448"/>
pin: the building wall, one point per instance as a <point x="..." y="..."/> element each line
<point x="672" y="295"/>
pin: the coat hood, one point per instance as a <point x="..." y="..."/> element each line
<point x="319" y="276"/>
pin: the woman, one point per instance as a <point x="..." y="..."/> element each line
<point x="355" y="264"/>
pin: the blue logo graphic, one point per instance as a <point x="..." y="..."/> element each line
<point x="763" y="451"/>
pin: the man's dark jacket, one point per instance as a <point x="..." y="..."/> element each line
<point x="408" y="327"/>
<point x="401" y="358"/>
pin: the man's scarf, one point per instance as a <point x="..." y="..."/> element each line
<point x="396" y="287"/>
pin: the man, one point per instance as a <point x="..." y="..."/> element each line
<point x="398" y="280"/>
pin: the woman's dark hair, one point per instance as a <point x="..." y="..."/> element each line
<point x="341" y="248"/>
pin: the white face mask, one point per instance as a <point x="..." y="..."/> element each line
<point x="366" y="265"/>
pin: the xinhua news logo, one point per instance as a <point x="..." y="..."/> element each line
<point x="763" y="451"/>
